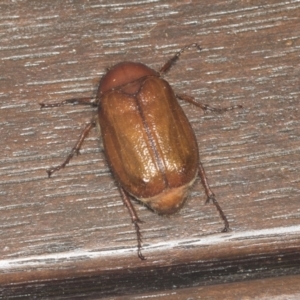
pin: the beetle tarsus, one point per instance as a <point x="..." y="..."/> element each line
<point x="135" y="220"/>
<point x="221" y="213"/>
<point x="139" y="238"/>
<point x="74" y="101"/>
<point x="75" y="149"/>
<point x="50" y="172"/>
<point x="222" y="109"/>
<point x="206" y="107"/>
<point x="211" y="197"/>
<point x="226" y="229"/>
<point x="168" y="65"/>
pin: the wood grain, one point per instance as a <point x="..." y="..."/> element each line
<point x="70" y="235"/>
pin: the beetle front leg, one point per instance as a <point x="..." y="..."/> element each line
<point x="168" y="65"/>
<point x="211" y="197"/>
<point x="74" y="101"/>
<point x="75" y="149"/>
<point x="206" y="107"/>
<point x="135" y="220"/>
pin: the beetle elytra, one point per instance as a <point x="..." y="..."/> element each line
<point x="149" y="143"/>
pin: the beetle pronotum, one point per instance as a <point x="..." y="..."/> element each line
<point x="149" y="144"/>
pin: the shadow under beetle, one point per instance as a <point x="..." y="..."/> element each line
<point x="148" y="141"/>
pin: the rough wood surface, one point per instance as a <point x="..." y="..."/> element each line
<point x="70" y="235"/>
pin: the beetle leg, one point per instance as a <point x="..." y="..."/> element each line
<point x="168" y="65"/>
<point x="75" y="101"/>
<point x="135" y="220"/>
<point x="211" y="196"/>
<point x="75" y="149"/>
<point x="206" y="107"/>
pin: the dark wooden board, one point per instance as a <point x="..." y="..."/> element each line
<point x="70" y="235"/>
<point x="280" y="288"/>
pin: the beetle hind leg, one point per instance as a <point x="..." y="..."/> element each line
<point x="135" y="220"/>
<point x="211" y="197"/>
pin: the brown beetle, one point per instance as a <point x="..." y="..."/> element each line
<point x="149" y="143"/>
